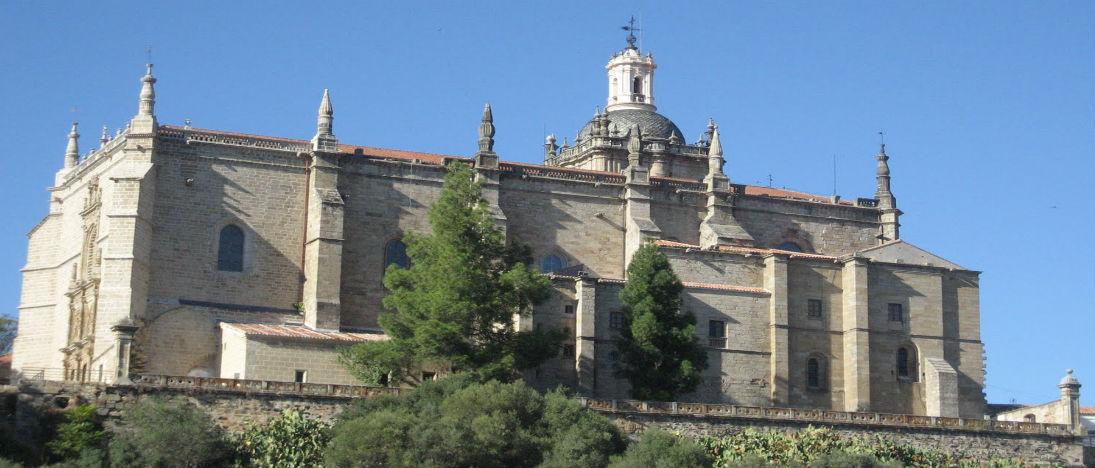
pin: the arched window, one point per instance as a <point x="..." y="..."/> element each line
<point x="1030" y="418"/>
<point x="637" y="85"/>
<point x="790" y="247"/>
<point x="902" y="362"/>
<point x="395" y="253"/>
<point x="552" y="264"/>
<point x="230" y="249"/>
<point x="813" y="373"/>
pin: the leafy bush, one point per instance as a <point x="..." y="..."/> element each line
<point x="162" y="433"/>
<point x="659" y="449"/>
<point x="80" y="431"/>
<point x="291" y="440"/>
<point x="822" y="447"/>
<point x="457" y="422"/>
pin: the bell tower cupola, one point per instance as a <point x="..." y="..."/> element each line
<point x="631" y="77"/>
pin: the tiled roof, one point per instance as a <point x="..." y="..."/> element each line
<point x="784" y="193"/>
<point x="1087" y="410"/>
<point x="691" y="285"/>
<point x="438" y="159"/>
<point x="300" y="332"/>
<point x="744" y="250"/>
<point x="5" y="359"/>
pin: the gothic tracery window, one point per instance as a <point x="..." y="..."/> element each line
<point x="230" y="249"/>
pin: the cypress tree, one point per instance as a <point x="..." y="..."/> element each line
<point x="657" y="351"/>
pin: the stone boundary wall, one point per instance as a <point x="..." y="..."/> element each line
<point x="233" y="404"/>
<point x="1037" y="448"/>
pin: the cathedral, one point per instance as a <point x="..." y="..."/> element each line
<point x="178" y="251"/>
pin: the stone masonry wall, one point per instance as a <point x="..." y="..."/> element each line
<point x="1060" y="450"/>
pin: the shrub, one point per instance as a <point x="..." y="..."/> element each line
<point x="162" y="433"/>
<point x="291" y="440"/>
<point x="659" y="449"/>
<point x="80" y="431"/>
<point x="457" y="422"/>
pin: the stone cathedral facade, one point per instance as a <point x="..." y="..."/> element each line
<point x="173" y="250"/>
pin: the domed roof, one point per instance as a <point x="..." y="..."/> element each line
<point x="651" y="124"/>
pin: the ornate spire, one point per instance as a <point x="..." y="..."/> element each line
<point x="630" y="28"/>
<point x="486" y="131"/>
<point x="883" y="173"/>
<point x="325" y="120"/>
<point x="714" y="152"/>
<point x="148" y="93"/>
<point x="72" y="151"/>
<point x="145" y="121"/>
<point x="551" y="150"/>
<point x="634" y="146"/>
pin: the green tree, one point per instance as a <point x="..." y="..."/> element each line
<point x="659" y="449"/>
<point x="161" y="433"/>
<point x="657" y="352"/>
<point x="454" y="305"/>
<point x="8" y="330"/>
<point x="290" y="440"/>
<point x="80" y="431"/>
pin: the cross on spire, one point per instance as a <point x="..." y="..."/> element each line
<point x="630" y="28"/>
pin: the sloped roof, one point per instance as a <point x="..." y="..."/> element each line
<point x="300" y="332"/>
<point x="902" y="252"/>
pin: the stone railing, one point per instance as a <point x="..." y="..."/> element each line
<point x="820" y="416"/>
<point x="223" y="138"/>
<point x="262" y="386"/>
<point x="560" y="173"/>
<point x="678" y="184"/>
<point x="866" y="202"/>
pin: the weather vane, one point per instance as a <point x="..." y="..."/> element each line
<point x="630" y="28"/>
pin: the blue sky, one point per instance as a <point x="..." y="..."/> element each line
<point x="988" y="109"/>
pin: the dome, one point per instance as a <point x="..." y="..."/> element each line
<point x="651" y="124"/>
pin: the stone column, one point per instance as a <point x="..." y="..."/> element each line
<point x="857" y="347"/>
<point x="775" y="281"/>
<point x="123" y="333"/>
<point x="585" y="334"/>
<point x="323" y="244"/>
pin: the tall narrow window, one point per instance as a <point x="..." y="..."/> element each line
<point x="637" y="85"/>
<point x="552" y="264"/>
<point x="813" y="373"/>
<point x="300" y="376"/>
<point x="395" y="253"/>
<point x="902" y="362"/>
<point x="230" y="249"/>
<point x="616" y="320"/>
<point x="897" y="313"/>
<point x="716" y="334"/>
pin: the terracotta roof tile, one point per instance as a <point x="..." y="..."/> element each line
<point x="1087" y="410"/>
<point x="5" y="359"/>
<point x="301" y="332"/>
<point x="438" y="159"/>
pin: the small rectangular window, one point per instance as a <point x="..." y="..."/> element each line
<point x="301" y="376"/>
<point x="813" y="308"/>
<point x="429" y="376"/>
<point x="616" y="320"/>
<point x="568" y="309"/>
<point x="716" y="333"/>
<point x="897" y="313"/>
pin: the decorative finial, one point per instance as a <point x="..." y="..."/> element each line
<point x="104" y="137"/>
<point x="881" y="142"/>
<point x="715" y="160"/>
<point x="145" y="120"/>
<point x="630" y="28"/>
<point x="634" y="145"/>
<point x="326" y="116"/>
<point x="551" y="150"/>
<point x="486" y="131"/>
<point x="325" y="120"/>
<point x="72" y="151"/>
